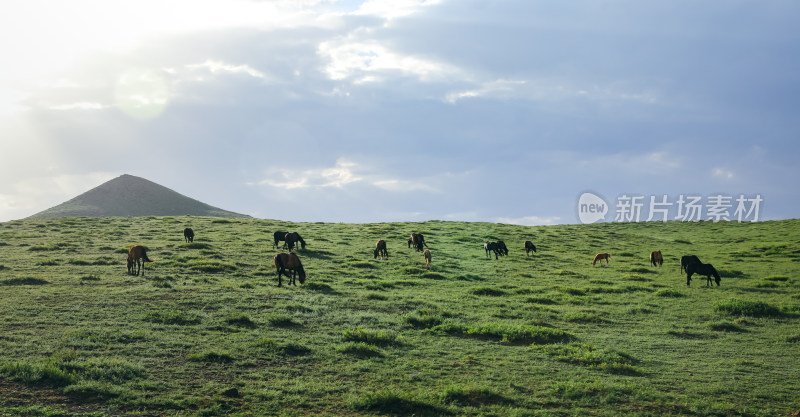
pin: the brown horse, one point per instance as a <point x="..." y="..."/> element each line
<point x="137" y="256"/>
<point x="292" y="238"/>
<point x="380" y="249"/>
<point x="529" y="247"/>
<point x="427" y="256"/>
<point x="417" y="241"/>
<point x="656" y="259"/>
<point x="600" y="257"/>
<point x="290" y="261"/>
<point x="188" y="234"/>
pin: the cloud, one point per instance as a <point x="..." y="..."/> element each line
<point x="649" y="163"/>
<point x="501" y="88"/>
<point x="83" y="105"/>
<point x="393" y="9"/>
<point x="219" y="67"/>
<point x="342" y="174"/>
<point x="371" y="61"/>
<point x="723" y="173"/>
<point x="529" y="220"/>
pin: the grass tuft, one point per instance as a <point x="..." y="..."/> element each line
<point x="372" y="337"/>
<point x="738" y="307"/>
<point x="24" y="281"/>
<point x="172" y="317"/>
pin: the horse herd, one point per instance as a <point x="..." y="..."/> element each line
<point x="289" y="265"/>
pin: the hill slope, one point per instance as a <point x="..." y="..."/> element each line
<point x="130" y="196"/>
<point x="207" y="330"/>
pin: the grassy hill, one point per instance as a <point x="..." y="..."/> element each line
<point x="208" y="332"/>
<point x="130" y="196"/>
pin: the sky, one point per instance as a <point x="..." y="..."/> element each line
<point x="406" y="110"/>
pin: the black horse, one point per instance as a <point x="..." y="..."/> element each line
<point x="278" y="237"/>
<point x="529" y="247"/>
<point x="493" y="247"/>
<point x="687" y="260"/>
<point x="502" y="248"/>
<point x="702" y="269"/>
<point x="188" y="234"/>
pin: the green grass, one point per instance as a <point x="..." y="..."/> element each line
<point x="207" y="331"/>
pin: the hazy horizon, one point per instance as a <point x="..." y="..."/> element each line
<point x="376" y="111"/>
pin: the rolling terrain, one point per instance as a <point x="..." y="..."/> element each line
<point x="207" y="331"/>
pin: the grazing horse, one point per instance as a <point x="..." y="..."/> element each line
<point x="656" y="259"/>
<point x="529" y="247"/>
<point x="687" y="260"/>
<point x="380" y="249"/>
<point x="502" y="248"/>
<point x="418" y="241"/>
<point x="600" y="257"/>
<point x="188" y="234"/>
<point x="278" y="237"/>
<point x="137" y="256"/>
<point x="290" y="261"/>
<point x="427" y="256"/>
<point x="292" y="238"/>
<point x="491" y="246"/>
<point x="702" y="269"/>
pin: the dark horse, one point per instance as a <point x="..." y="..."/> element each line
<point x="491" y="246"/>
<point x="702" y="269"/>
<point x="188" y="234"/>
<point x="529" y="247"/>
<point x="290" y="261"/>
<point x="502" y="248"/>
<point x="292" y="238"/>
<point x="380" y="249"/>
<point x="278" y="237"/>
<point x="656" y="259"/>
<point x="687" y="260"/>
<point x="418" y="241"/>
<point x="137" y="256"/>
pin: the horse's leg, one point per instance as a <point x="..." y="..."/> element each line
<point x="688" y="278"/>
<point x="279" y="275"/>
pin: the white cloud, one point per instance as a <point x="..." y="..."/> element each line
<point x="529" y="220"/>
<point x="219" y="67"/>
<point x="367" y="61"/>
<point x="392" y="9"/>
<point x="492" y="88"/>
<point x="546" y="89"/>
<point x="342" y="174"/>
<point x="82" y="105"/>
<point x="723" y="173"/>
<point x="651" y="163"/>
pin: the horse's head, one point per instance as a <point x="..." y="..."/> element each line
<point x="375" y="252"/>
<point x="714" y="272"/>
<point x="301" y="275"/>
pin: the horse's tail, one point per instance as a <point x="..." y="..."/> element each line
<point x="144" y="256"/>
<point x="279" y="262"/>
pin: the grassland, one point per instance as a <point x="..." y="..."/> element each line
<point x="207" y="331"/>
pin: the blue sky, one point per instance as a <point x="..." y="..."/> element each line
<point x="406" y="110"/>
